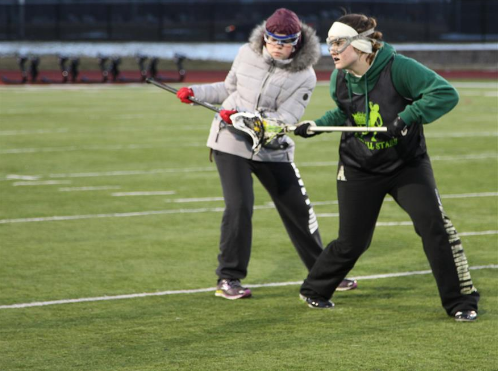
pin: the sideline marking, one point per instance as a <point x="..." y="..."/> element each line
<point x="267" y="206"/>
<point x="195" y="291"/>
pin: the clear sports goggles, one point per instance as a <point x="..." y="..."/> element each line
<point x="272" y="39"/>
<point x="339" y="44"/>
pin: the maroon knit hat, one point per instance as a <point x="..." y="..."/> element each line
<point x="283" y="21"/>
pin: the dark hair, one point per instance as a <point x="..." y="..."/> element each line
<point x="362" y="23"/>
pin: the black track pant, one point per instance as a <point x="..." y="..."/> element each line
<point x="283" y="183"/>
<point x="414" y="189"/>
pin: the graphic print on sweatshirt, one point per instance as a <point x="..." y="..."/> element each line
<point x="375" y="119"/>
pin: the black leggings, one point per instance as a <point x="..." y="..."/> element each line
<point x="283" y="183"/>
<point x="414" y="189"/>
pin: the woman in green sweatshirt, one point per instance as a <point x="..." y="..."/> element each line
<point x="373" y="86"/>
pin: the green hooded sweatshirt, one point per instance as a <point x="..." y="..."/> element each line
<point x="431" y="94"/>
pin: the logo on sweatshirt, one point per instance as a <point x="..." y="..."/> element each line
<point x="375" y="120"/>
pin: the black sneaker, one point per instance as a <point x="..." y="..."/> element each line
<point x="466" y="316"/>
<point x="347" y="285"/>
<point x="316" y="303"/>
<point x="232" y="289"/>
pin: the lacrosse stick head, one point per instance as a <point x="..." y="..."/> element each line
<point x="251" y="124"/>
<point x="261" y="130"/>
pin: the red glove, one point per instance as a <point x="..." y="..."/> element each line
<point x="184" y="93"/>
<point x="225" y="115"/>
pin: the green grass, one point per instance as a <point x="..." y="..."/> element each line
<point x="83" y="137"/>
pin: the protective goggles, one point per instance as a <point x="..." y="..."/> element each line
<point x="339" y="44"/>
<point x="272" y="39"/>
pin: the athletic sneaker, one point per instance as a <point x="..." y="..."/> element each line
<point x="466" y="316"/>
<point x="316" y="303"/>
<point x="347" y="285"/>
<point x="231" y="289"/>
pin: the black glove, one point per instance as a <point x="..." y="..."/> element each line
<point x="302" y="129"/>
<point x="397" y="129"/>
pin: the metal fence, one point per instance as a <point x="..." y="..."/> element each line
<point x="221" y="21"/>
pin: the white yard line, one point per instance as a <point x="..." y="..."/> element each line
<point x="31" y="132"/>
<point x="35" y="132"/>
<point x="477" y="233"/>
<point x="198" y="199"/>
<point x="21" y="177"/>
<point x="450" y="196"/>
<point x="16" y="151"/>
<point x="209" y="289"/>
<point x="112" y="215"/>
<point x="41" y="182"/>
<point x="392" y="224"/>
<point x="203" y="210"/>
<point x="129" y="147"/>
<point x="471" y="195"/>
<point x="477" y="156"/>
<point x="484" y="134"/>
<point x="114" y="129"/>
<point x="116" y="173"/>
<point x="134" y="172"/>
<point x="153" y="193"/>
<point x="83" y="189"/>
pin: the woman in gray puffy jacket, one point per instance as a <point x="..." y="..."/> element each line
<point x="272" y="74"/>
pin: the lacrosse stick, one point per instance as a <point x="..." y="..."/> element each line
<point x="248" y="123"/>
<point x="174" y="91"/>
<point x="264" y="130"/>
<point x="354" y="129"/>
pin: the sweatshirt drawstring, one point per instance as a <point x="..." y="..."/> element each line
<point x="367" y="106"/>
<point x="349" y="92"/>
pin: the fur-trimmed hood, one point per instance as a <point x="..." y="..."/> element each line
<point x="308" y="55"/>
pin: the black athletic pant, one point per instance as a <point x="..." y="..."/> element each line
<point x="360" y="198"/>
<point x="283" y="183"/>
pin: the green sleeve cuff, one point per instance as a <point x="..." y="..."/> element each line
<point x="407" y="117"/>
<point x="321" y="122"/>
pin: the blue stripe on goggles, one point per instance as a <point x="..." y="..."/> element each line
<point x="272" y="39"/>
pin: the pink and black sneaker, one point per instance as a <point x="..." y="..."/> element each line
<point x="232" y="289"/>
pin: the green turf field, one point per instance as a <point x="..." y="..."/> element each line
<point x="108" y="191"/>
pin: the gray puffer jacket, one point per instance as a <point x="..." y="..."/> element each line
<point x="280" y="88"/>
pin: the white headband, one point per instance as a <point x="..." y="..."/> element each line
<point x="339" y="29"/>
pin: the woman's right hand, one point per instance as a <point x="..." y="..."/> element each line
<point x="225" y="115"/>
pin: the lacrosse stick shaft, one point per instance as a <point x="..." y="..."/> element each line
<point x="357" y="129"/>
<point x="174" y="91"/>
